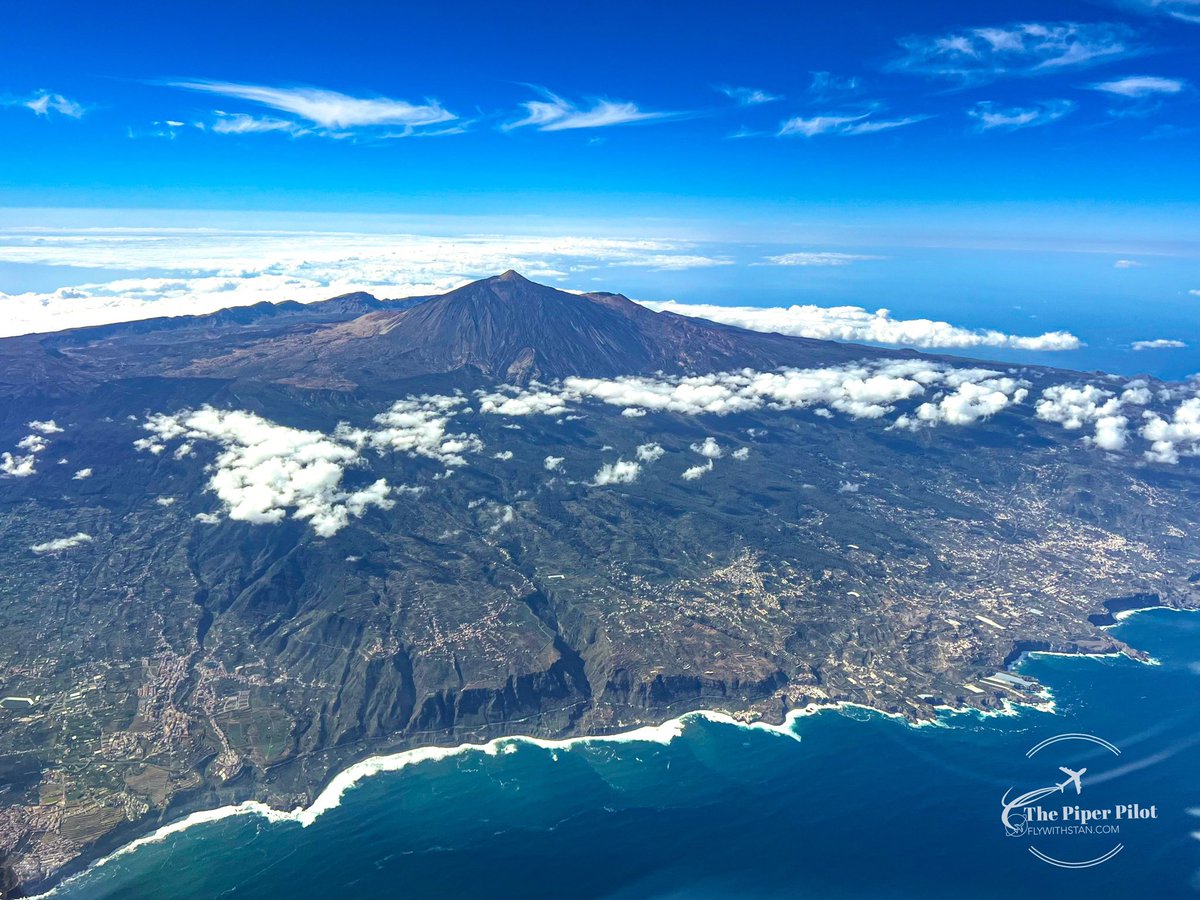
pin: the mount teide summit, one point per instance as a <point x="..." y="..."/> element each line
<point x="504" y="327"/>
<point x="513" y="329"/>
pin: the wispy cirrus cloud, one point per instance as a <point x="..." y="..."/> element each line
<point x="841" y="124"/>
<point x="989" y="115"/>
<point x="978" y="55"/>
<point x="327" y="112"/>
<point x="1139" y="86"/>
<point x="240" y="123"/>
<point x="811" y="126"/>
<point x="871" y="126"/>
<point x="745" y="96"/>
<point x="47" y="103"/>
<point x="827" y="86"/>
<point x="554" y="113"/>
<point x="1183" y="10"/>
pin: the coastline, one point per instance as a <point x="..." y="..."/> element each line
<point x="1121" y="608"/>
<point x="330" y="797"/>
<point x="664" y="733"/>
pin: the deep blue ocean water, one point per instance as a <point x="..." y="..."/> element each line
<point x="862" y="806"/>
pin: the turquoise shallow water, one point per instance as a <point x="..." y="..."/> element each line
<point x="861" y="806"/>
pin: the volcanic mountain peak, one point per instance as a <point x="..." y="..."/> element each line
<point x="505" y="327"/>
<point x="515" y="329"/>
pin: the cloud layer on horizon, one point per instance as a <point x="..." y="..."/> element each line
<point x="209" y="270"/>
<point x="853" y="323"/>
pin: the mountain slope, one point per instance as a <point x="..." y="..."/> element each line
<point x="77" y="359"/>
<point x="221" y="585"/>
<point x="510" y="328"/>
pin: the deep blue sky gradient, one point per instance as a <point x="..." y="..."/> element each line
<point x="982" y="227"/>
<point x="477" y="58"/>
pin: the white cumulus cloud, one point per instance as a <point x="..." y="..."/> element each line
<point x="969" y="402"/>
<point x="859" y="390"/>
<point x="64" y="543"/>
<point x="622" y="471"/>
<point x="24" y="464"/>
<point x="650" y="452"/>
<point x="1174" y="437"/>
<point x="1075" y="406"/>
<point x="265" y="469"/>
<point x="419" y="426"/>
<point x="18" y="466"/>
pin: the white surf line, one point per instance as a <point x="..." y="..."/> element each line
<point x="331" y="796"/>
<point x="1129" y="613"/>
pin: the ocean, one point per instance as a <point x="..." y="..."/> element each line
<point x="847" y="804"/>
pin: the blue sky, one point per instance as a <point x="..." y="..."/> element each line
<point x="984" y="157"/>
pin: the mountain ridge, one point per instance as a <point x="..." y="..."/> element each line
<point x="240" y="535"/>
<point x="514" y="329"/>
<point x="504" y="327"/>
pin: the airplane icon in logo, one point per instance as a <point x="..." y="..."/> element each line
<point x="1072" y="778"/>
